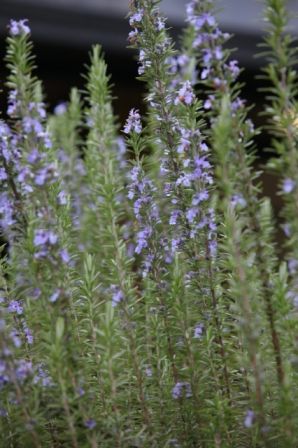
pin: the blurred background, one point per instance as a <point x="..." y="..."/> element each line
<point x="64" y="30"/>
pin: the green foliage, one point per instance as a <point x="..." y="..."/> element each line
<point x="145" y="301"/>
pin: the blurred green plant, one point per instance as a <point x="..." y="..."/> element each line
<point x="144" y="299"/>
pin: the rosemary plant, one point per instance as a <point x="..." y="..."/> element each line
<point x="144" y="300"/>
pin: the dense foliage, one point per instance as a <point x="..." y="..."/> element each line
<point x="144" y="299"/>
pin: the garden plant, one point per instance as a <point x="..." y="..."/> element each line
<point x="147" y="299"/>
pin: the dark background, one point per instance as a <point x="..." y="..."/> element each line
<point x="64" y="30"/>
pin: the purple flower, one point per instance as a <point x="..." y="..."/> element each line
<point x="42" y="377"/>
<point x="60" y="109"/>
<point x="205" y="73"/>
<point x="133" y="123"/>
<point x="3" y="412"/>
<point x="148" y="372"/>
<point x="293" y="266"/>
<point x="117" y="296"/>
<point x="218" y="53"/>
<point x="142" y="239"/>
<point x="237" y="104"/>
<point x="212" y="248"/>
<point x="55" y="296"/>
<point x="32" y="125"/>
<point x="64" y="255"/>
<point x="36" y="293"/>
<point x="3" y="175"/>
<point x="132" y="36"/>
<point x="62" y="198"/>
<point x="204" y="19"/>
<point x="198" y="331"/>
<point x="34" y="156"/>
<point x="207" y="56"/>
<point x="80" y="391"/>
<point x="234" y="69"/>
<point x="181" y="389"/>
<point x="136" y="17"/>
<point x="13" y="103"/>
<point x="15" y="307"/>
<point x="43" y="237"/>
<point x="15" y="338"/>
<point x="287" y="229"/>
<point x="288" y="185"/>
<point x="39" y="108"/>
<point x="238" y="199"/>
<point x="17" y="28"/>
<point x="28" y="334"/>
<point x="191" y="214"/>
<point x="208" y="104"/>
<point x="184" y="179"/>
<point x="47" y="173"/>
<point x="23" y="370"/>
<point x="184" y="145"/>
<point x="160" y="23"/>
<point x="174" y="217"/>
<point x="249" y="419"/>
<point x="199" y="197"/>
<point x="175" y="243"/>
<point x="185" y="94"/>
<point x="90" y="423"/>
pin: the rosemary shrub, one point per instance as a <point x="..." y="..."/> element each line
<point x="145" y="301"/>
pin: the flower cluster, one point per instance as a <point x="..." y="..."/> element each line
<point x="133" y="123"/>
<point x="17" y="28"/>
<point x="141" y="190"/>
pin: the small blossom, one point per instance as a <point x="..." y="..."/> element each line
<point x="185" y="94"/>
<point x="288" y="185"/>
<point x="238" y="199"/>
<point x="200" y="197"/>
<point x="160" y="23"/>
<point x="34" y="156"/>
<point x="62" y="197"/>
<point x="234" y="69"/>
<point x="43" y="237"/>
<point x="23" y="369"/>
<point x="117" y="296"/>
<point x="3" y="412"/>
<point x="28" y="334"/>
<point x="36" y="293"/>
<point x="293" y="266"/>
<point x="136" y="18"/>
<point x="15" y="338"/>
<point x="191" y="213"/>
<point x="17" y="28"/>
<point x="132" y="36"/>
<point x="148" y="372"/>
<point x="64" y="255"/>
<point x="181" y="389"/>
<point x="198" y="331"/>
<point x="60" y="109"/>
<point x="133" y="123"/>
<point x="3" y="175"/>
<point x="249" y="419"/>
<point x="90" y="423"/>
<point x="55" y="296"/>
<point x="15" y="307"/>
<point x="205" y="19"/>
<point x="174" y="217"/>
<point x="209" y="102"/>
<point x="42" y="376"/>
